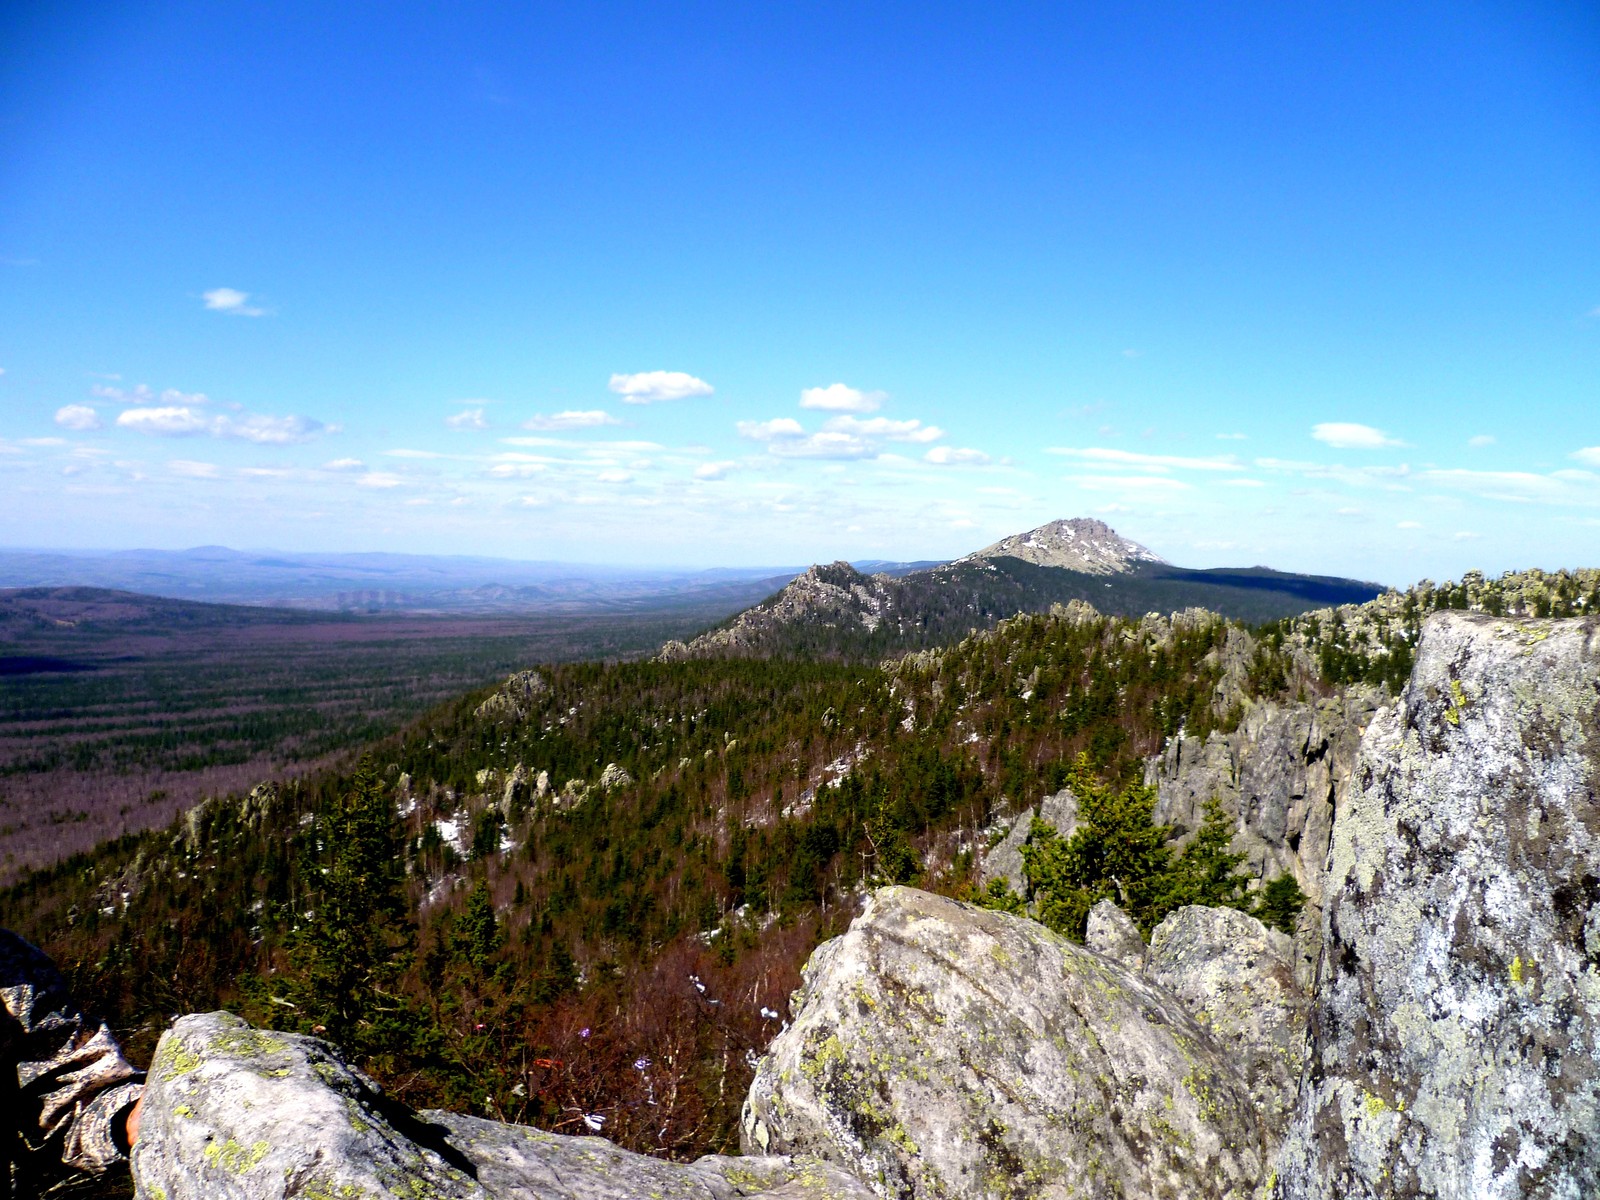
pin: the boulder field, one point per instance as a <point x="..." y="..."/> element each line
<point x="1448" y="1043"/>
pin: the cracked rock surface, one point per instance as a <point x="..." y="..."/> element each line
<point x="1236" y="977"/>
<point x="236" y="1113"/>
<point x="940" y="1049"/>
<point x="1456" y="1026"/>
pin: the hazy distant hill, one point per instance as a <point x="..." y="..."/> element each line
<point x="837" y="611"/>
<point x="386" y="582"/>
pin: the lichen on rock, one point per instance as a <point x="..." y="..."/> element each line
<point x="943" y="1050"/>
<point x="1456" y="1028"/>
<point x="235" y="1113"/>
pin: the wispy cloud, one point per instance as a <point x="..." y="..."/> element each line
<point x="190" y="469"/>
<point x="572" y="419"/>
<point x="951" y="456"/>
<point x="614" y="476"/>
<point x="841" y="398"/>
<point x="268" y="431"/>
<point x="1130" y="484"/>
<point x="651" y="387"/>
<point x="1104" y="456"/>
<point x="883" y="427"/>
<point x="1568" y="487"/>
<point x="467" y="420"/>
<point x="1392" y="479"/>
<point x="1347" y="435"/>
<point x="714" y="470"/>
<point x="233" y="302"/>
<point x="1231" y="437"/>
<point x="1480" y="441"/>
<point x="379" y="479"/>
<point x="345" y="464"/>
<point x="1589" y="455"/>
<point x="180" y="420"/>
<point x="79" y="418"/>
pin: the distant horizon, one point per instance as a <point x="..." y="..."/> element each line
<point x="624" y="283"/>
<point x="752" y="570"/>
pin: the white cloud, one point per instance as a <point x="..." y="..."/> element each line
<point x="404" y="453"/>
<point x="79" y="417"/>
<point x="949" y="456"/>
<point x="894" y="431"/>
<point x="345" y="464"/>
<point x="838" y="397"/>
<point x="44" y="441"/>
<point x="467" y="419"/>
<point x="1408" y="525"/>
<point x="572" y="419"/>
<point x="766" y="431"/>
<point x="1481" y="440"/>
<point x="1104" y="456"/>
<point x="1589" y="455"/>
<point x="1521" y="487"/>
<point x="178" y="414"/>
<point x="1346" y="435"/>
<point x="266" y="431"/>
<point x="175" y="421"/>
<point x="614" y="477"/>
<point x="714" y="470"/>
<point x="1129" y="483"/>
<point x="1466" y="535"/>
<point x="1241" y="483"/>
<point x="1387" y="478"/>
<point x="231" y="301"/>
<point x="650" y="387"/>
<point x="193" y="470"/>
<point x="1231" y="437"/>
<point x="379" y="479"/>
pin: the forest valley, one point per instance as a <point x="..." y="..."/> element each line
<point x="581" y="900"/>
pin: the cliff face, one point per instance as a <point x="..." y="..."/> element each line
<point x="1456" y="1031"/>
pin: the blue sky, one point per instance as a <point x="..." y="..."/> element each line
<point x="736" y="284"/>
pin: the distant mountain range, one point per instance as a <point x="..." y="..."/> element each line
<point x="838" y="611"/>
<point x="371" y="583"/>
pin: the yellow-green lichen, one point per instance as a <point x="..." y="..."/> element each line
<point x="233" y="1158"/>
<point x="175" y="1060"/>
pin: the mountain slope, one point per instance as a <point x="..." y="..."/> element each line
<point x="1078" y="544"/>
<point x="835" y="611"/>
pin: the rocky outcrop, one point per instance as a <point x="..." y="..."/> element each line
<point x="1112" y="934"/>
<point x="1280" y="777"/>
<point x="235" y="1113"/>
<point x="835" y="596"/>
<point x="1235" y="976"/>
<point x="1004" y="861"/>
<point x="515" y="699"/>
<point x="1076" y="544"/>
<point x="1456" y="1029"/>
<point x="939" y="1049"/>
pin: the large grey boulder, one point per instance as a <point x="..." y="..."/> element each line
<point x="1456" y="1028"/>
<point x="1236" y="977"/>
<point x="235" y="1113"/>
<point x="943" y="1050"/>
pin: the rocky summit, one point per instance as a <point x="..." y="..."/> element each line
<point x="1075" y="544"/>
<point x="1445" y="1042"/>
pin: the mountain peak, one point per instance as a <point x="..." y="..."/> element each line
<point x="1075" y="544"/>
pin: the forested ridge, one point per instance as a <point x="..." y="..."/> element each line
<point x="582" y="899"/>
